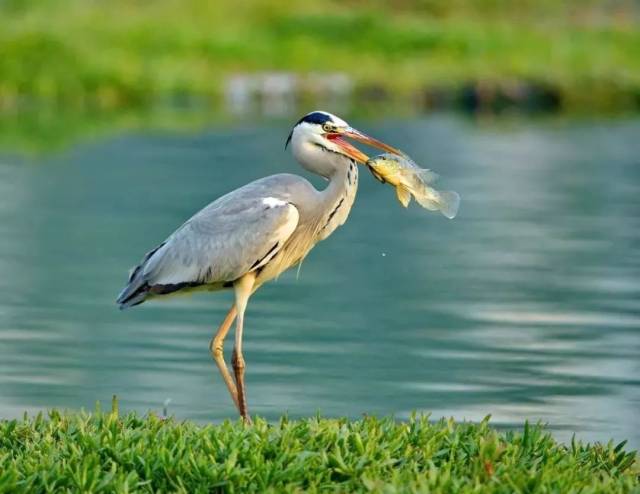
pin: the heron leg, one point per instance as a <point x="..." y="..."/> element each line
<point x="243" y="288"/>
<point x="216" y="349"/>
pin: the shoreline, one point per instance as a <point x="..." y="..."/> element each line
<point x="37" y="129"/>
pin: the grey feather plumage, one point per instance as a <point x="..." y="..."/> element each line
<point x="233" y="235"/>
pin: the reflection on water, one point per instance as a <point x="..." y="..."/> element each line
<point x="525" y="306"/>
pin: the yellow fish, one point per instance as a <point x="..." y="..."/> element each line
<point x="412" y="181"/>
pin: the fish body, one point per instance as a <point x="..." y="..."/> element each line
<point x="410" y="180"/>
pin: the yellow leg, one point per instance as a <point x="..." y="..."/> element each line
<point x="216" y="349"/>
<point x="243" y="288"/>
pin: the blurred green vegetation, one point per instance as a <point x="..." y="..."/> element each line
<point x="123" y="54"/>
<point x="75" y="66"/>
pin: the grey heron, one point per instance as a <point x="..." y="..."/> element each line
<point x="252" y="234"/>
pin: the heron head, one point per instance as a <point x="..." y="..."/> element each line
<point x="318" y="142"/>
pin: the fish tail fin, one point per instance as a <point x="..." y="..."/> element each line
<point x="404" y="195"/>
<point x="428" y="198"/>
<point x="449" y="203"/>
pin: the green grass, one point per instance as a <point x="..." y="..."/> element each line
<point x="77" y="54"/>
<point x="102" y="452"/>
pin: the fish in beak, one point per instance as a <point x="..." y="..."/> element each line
<point x="356" y="135"/>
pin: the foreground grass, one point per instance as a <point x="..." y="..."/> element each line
<point x="107" y="453"/>
<point x="123" y="54"/>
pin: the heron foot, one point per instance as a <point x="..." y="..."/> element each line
<point x="239" y="366"/>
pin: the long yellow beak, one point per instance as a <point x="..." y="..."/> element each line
<point x="356" y="135"/>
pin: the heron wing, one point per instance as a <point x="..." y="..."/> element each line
<point x="232" y="236"/>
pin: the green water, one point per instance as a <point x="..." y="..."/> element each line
<point x="526" y="306"/>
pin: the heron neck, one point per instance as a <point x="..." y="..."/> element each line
<point x="337" y="198"/>
<point x="341" y="180"/>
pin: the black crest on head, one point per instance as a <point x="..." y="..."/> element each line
<point x="316" y="117"/>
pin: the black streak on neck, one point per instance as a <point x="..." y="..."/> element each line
<point x="332" y="213"/>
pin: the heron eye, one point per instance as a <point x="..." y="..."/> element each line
<point x="327" y="127"/>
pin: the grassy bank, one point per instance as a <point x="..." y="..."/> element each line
<point x="121" y="54"/>
<point x="107" y="453"/>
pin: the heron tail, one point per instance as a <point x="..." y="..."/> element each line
<point x="137" y="288"/>
<point x="133" y="294"/>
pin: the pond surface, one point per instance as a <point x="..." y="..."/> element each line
<point x="526" y="306"/>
